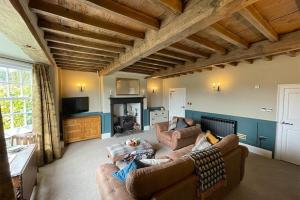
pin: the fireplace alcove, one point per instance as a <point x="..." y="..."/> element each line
<point x="125" y="101"/>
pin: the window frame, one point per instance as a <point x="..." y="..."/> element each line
<point x="20" y="83"/>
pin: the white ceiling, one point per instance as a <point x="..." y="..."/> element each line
<point x="9" y="49"/>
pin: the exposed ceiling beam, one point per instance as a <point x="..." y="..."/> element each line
<point x="81" y="42"/>
<point x="287" y="42"/>
<point x="150" y="65"/>
<point x="79" y="64"/>
<point x="174" y="6"/>
<point x="128" y="13"/>
<point x="142" y="69"/>
<point x="45" y="8"/>
<point x="292" y="53"/>
<point x="268" y="58"/>
<point x="234" y="63"/>
<point x="84" y="60"/>
<point x="30" y="20"/>
<point x="47" y="26"/>
<point x="154" y="62"/>
<point x="80" y="55"/>
<point x="166" y="59"/>
<point x="249" y="61"/>
<point x="174" y="54"/>
<point x="136" y="71"/>
<point x="190" y="50"/>
<point x="69" y="62"/>
<point x="227" y="35"/>
<point x="67" y="47"/>
<point x="252" y="15"/>
<point x="83" y="69"/>
<point x="146" y="67"/>
<point x="222" y="66"/>
<point x="195" y="18"/>
<point x="63" y="59"/>
<point x="207" y="44"/>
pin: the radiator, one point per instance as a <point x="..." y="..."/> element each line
<point x="218" y="126"/>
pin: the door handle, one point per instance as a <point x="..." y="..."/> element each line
<point x="182" y="106"/>
<point x="286" y="123"/>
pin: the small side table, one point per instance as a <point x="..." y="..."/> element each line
<point x="23" y="171"/>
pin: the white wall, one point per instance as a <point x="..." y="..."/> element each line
<point x="238" y="96"/>
<point x="155" y="99"/>
<point x="69" y="88"/>
<point x="109" y="83"/>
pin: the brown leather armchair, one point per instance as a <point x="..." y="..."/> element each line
<point x="179" y="138"/>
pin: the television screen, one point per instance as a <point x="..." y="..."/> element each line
<point x="75" y="105"/>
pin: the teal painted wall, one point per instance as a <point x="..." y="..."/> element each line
<point x="106" y="121"/>
<point x="253" y="128"/>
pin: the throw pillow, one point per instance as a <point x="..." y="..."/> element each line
<point x="181" y="123"/>
<point x="202" y="144"/>
<point x="173" y="123"/>
<point x="122" y="174"/>
<point x="151" y="162"/>
<point x="212" y="138"/>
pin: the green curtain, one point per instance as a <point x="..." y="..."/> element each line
<point x="44" y="123"/>
<point x="6" y="188"/>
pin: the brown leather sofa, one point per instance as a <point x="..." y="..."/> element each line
<point x="177" y="139"/>
<point x="172" y="180"/>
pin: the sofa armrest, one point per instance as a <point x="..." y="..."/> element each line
<point x="187" y="132"/>
<point x="162" y="126"/>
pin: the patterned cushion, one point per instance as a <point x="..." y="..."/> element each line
<point x="181" y="123"/>
<point x="202" y="144"/>
<point x="212" y="138"/>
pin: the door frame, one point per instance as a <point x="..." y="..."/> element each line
<point x="279" y="115"/>
<point x="169" y="100"/>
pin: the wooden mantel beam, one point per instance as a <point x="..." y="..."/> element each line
<point x="42" y="7"/>
<point x="252" y="15"/>
<point x="127" y="13"/>
<point x="194" y="19"/>
<point x="287" y="42"/>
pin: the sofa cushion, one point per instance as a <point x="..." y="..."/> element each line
<point x="202" y="144"/>
<point x="173" y="123"/>
<point x="180" y="152"/>
<point x="181" y="124"/>
<point x="228" y="143"/>
<point x="110" y="188"/>
<point x="143" y="183"/>
<point x="212" y="138"/>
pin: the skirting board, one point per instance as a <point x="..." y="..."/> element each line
<point x="105" y="136"/>
<point x="259" y="151"/>
<point x="146" y="128"/>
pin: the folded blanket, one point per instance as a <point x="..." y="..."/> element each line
<point x="139" y="154"/>
<point x="210" y="169"/>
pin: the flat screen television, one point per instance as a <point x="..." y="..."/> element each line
<point x="75" y="105"/>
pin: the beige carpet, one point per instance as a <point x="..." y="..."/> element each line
<point x="73" y="176"/>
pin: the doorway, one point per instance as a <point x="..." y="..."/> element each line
<point x="177" y="102"/>
<point x="288" y="124"/>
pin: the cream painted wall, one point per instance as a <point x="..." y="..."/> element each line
<point x="155" y="99"/>
<point x="69" y="88"/>
<point x="238" y="95"/>
<point x="109" y="83"/>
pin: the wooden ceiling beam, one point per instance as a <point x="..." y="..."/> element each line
<point x="80" y="55"/>
<point x="83" y="69"/>
<point x="128" y="13"/>
<point x="194" y="19"/>
<point x="67" y="47"/>
<point x="227" y="35"/>
<point x="52" y="27"/>
<point x="142" y="69"/>
<point x="78" y="64"/>
<point x="45" y="8"/>
<point x="207" y="44"/>
<point x="166" y="59"/>
<point x="82" y="43"/>
<point x="136" y="71"/>
<point x="292" y="53"/>
<point x="80" y="61"/>
<point x="252" y="15"/>
<point x="222" y="66"/>
<point x="146" y="67"/>
<point x="84" y="60"/>
<point x="234" y="63"/>
<point x="150" y="65"/>
<point x="174" y="6"/>
<point x="188" y="49"/>
<point x="268" y="58"/>
<point x="154" y="62"/>
<point x="174" y="54"/>
<point x="249" y="61"/>
<point x="287" y="42"/>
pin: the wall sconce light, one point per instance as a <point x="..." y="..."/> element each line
<point x="217" y="86"/>
<point x="154" y="90"/>
<point x="81" y="86"/>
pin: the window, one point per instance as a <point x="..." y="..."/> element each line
<point x="15" y="99"/>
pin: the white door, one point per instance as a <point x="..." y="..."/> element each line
<point x="289" y="124"/>
<point x="177" y="102"/>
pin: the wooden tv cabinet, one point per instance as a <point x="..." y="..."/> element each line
<point x="78" y="128"/>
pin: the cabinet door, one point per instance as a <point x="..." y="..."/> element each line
<point x="92" y="127"/>
<point x="73" y="130"/>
